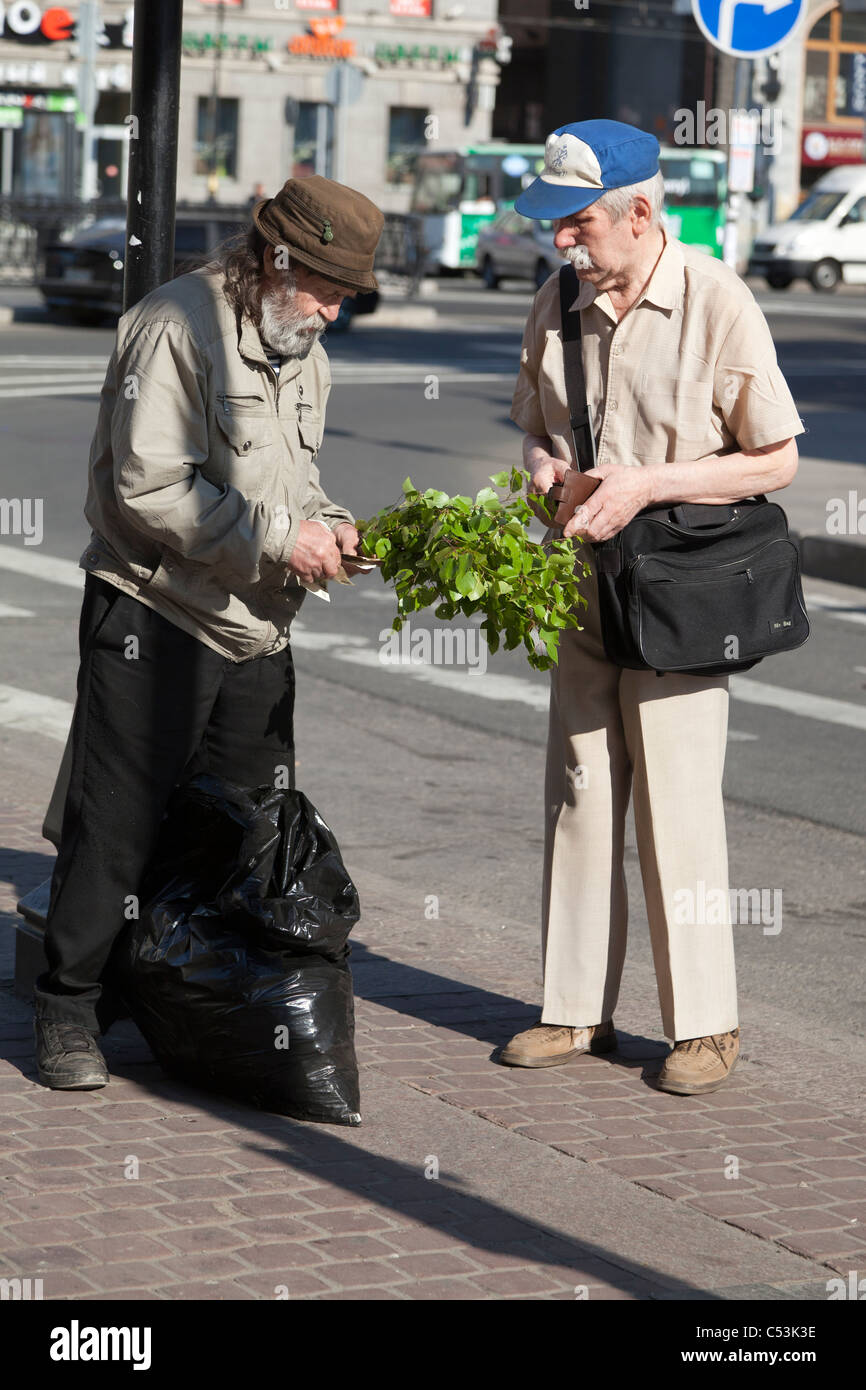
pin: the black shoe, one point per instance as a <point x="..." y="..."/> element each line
<point x="67" y="1057"/>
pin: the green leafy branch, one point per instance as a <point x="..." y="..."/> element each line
<point x="476" y="557"/>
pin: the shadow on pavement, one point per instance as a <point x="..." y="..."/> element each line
<point x="477" y="1222"/>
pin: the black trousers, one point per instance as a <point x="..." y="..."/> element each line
<point x="155" y="706"/>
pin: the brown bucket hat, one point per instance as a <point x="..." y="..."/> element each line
<point x="326" y="226"/>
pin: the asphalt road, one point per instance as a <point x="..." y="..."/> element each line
<point x="468" y="814"/>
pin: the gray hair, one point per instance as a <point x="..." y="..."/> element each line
<point x="617" y="201"/>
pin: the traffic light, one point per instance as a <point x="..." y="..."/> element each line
<point x="771" y="87"/>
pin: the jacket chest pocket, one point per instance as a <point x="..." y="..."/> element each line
<point x="674" y="418"/>
<point x="245" y="440"/>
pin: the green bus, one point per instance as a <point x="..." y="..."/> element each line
<point x="695" y="192"/>
<point x="458" y="191"/>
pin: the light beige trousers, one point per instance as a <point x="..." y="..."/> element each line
<point x="613" y="731"/>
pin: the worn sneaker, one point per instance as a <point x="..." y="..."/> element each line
<point x="700" y="1064"/>
<point x="551" y="1044"/>
<point x="67" y="1057"/>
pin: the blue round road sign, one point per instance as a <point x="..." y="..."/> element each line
<point x="747" y="28"/>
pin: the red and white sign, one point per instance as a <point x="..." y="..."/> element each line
<point x="828" y="145"/>
<point x="324" y="41"/>
<point x="20" y="20"/>
<point x="316" y="4"/>
<point x="412" y="9"/>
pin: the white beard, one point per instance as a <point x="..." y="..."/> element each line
<point x="580" y="258"/>
<point x="284" y="329"/>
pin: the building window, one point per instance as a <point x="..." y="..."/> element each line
<point x="216" y="146"/>
<point x="38" y="153"/>
<point x="815" y="87"/>
<point x="835" y="78"/>
<point x="405" y="142"/>
<point x="313" y="139"/>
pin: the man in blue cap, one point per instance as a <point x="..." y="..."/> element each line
<point x="687" y="404"/>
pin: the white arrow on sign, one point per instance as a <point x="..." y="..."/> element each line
<point x="726" y="16"/>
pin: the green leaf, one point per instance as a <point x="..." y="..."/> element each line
<point x="466" y="581"/>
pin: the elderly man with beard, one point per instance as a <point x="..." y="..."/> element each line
<point x="208" y="520"/>
<point x="687" y="404"/>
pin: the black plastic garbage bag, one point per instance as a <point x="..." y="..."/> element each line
<point x="237" y="970"/>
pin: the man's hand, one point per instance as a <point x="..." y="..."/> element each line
<point x="623" y="492"/>
<point x="348" y="541"/>
<point x="545" y="470"/>
<point x="316" y="554"/>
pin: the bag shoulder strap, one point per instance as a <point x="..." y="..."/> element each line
<point x="575" y="381"/>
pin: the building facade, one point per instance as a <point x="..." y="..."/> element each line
<point x="643" y="61"/>
<point x="830" y="95"/>
<point x="351" y="89"/>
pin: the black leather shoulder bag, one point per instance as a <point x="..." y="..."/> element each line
<point x="692" y="587"/>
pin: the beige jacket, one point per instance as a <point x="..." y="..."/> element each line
<point x="202" y="468"/>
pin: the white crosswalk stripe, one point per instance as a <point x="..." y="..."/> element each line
<point x="41" y="379"/>
<point x="38" y="566"/>
<point x="30" y="713"/>
<point x="73" y="378"/>
<point x="51" y="388"/>
<point x="843" y="609"/>
<point x="42" y="360"/>
<point x="781" y="697"/>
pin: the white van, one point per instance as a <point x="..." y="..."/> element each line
<point x="824" y="241"/>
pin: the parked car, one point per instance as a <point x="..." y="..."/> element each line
<point x="83" y="277"/>
<point x="824" y="241"/>
<point x="512" y="246"/>
<point x="365" y="302"/>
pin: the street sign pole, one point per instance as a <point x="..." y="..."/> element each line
<point x="149" y="259"/>
<point x="86" y="34"/>
<point x="745" y="30"/>
<point x="742" y="135"/>
<point x="343" y="86"/>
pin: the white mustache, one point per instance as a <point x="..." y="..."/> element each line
<point x="580" y="258"/>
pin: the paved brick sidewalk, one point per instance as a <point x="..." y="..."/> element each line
<point x="572" y="1178"/>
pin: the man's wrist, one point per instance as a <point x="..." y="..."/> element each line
<point x="536" y="454"/>
<point x="652" y="489"/>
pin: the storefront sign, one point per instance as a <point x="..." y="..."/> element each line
<point x="827" y="145"/>
<point x="857" y="85"/>
<point x="36" y="75"/>
<point x="39" y="101"/>
<point x="311" y="5"/>
<point x="25" y="74"/>
<point x="741" y="151"/>
<point x="412" y="9"/>
<point x="323" y="42"/>
<point x="236" y="45"/>
<point x="26" y="22"/>
<point x="415" y="55"/>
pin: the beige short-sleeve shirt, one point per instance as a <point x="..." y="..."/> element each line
<point x="689" y="371"/>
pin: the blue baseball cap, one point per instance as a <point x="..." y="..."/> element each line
<point x="582" y="161"/>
